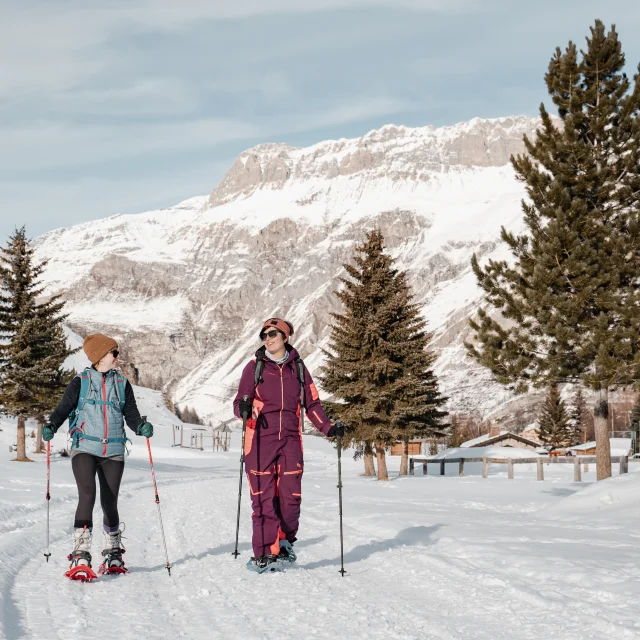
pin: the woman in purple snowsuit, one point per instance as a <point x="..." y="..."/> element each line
<point x="273" y="441"/>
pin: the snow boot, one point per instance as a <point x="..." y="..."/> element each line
<point x="264" y="564"/>
<point x="80" y="568"/>
<point x="287" y="554"/>
<point x="112" y="553"/>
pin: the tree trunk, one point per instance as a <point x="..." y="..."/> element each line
<point x="22" y="451"/>
<point x="603" y="446"/>
<point x="369" y="467"/>
<point x="404" y="462"/>
<point x="382" y="461"/>
<point x="39" y="446"/>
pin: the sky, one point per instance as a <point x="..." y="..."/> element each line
<point x="131" y="105"/>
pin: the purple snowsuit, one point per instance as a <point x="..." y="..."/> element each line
<point x="273" y="447"/>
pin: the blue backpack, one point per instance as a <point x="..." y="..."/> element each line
<point x="85" y="382"/>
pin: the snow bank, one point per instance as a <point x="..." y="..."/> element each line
<point x="615" y="499"/>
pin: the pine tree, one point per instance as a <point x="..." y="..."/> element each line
<point x="378" y="363"/>
<point x="455" y="428"/>
<point x="571" y="296"/>
<point x="32" y="343"/>
<point x="555" y="428"/>
<point x="579" y="417"/>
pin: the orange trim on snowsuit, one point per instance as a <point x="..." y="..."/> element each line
<point x="314" y="391"/>
<point x="275" y="547"/>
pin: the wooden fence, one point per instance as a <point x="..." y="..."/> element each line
<point x="576" y="461"/>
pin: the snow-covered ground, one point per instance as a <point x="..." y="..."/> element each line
<point x="426" y="557"/>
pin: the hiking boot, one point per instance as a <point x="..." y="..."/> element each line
<point x="80" y="567"/>
<point x="287" y="554"/>
<point x="112" y="552"/>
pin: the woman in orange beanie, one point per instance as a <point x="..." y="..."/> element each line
<point x="97" y="403"/>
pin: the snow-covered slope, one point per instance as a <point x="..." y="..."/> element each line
<point x="184" y="289"/>
<point x="426" y="557"/>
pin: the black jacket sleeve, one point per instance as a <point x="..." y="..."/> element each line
<point x="68" y="403"/>
<point x="131" y="413"/>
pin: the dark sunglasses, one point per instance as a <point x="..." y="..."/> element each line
<point x="270" y="334"/>
<point x="115" y="353"/>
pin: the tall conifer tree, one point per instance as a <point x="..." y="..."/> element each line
<point x="571" y="295"/>
<point x="32" y="344"/>
<point x="378" y="362"/>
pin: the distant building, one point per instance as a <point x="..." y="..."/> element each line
<point x="619" y="447"/>
<point x="498" y="438"/>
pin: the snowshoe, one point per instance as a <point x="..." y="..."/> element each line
<point x="80" y="568"/>
<point x="112" y="553"/>
<point x="264" y="564"/>
<point x="113" y="562"/>
<point x="287" y="554"/>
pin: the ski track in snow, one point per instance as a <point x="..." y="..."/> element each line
<point x="446" y="558"/>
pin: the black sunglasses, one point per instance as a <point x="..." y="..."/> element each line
<point x="115" y="353"/>
<point x="270" y="334"/>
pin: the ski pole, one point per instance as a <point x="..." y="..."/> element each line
<point x="339" y="443"/>
<point x="155" y="488"/>
<point x="245" y="417"/>
<point x="47" y="554"/>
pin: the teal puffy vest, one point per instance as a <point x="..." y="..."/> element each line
<point x="96" y="426"/>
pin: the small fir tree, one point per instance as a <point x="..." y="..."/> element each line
<point x="378" y="363"/>
<point x="580" y="418"/>
<point x="555" y="428"/>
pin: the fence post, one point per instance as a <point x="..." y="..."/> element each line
<point x="485" y="468"/>
<point x="201" y="442"/>
<point x="173" y="433"/>
<point x="442" y="467"/>
<point x="411" y="467"/>
<point x="585" y="467"/>
<point x="461" y="468"/>
<point x="181" y="434"/>
<point x="510" y="468"/>
<point x="577" y="474"/>
<point x="540" y="469"/>
<point x="424" y="468"/>
<point x="624" y="464"/>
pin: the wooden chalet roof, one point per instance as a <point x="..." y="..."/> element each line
<point x="506" y="436"/>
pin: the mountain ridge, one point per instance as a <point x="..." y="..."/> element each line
<point x="184" y="288"/>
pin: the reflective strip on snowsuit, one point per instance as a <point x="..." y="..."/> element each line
<point x="273" y="449"/>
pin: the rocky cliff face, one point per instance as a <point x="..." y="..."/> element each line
<point x="185" y="289"/>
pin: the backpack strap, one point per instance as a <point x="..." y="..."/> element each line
<point x="300" y="370"/>
<point x="257" y="376"/>
<point x="85" y="385"/>
<point x="121" y="386"/>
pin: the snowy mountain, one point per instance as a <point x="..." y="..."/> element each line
<point x="184" y="289"/>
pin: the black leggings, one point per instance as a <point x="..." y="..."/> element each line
<point x="109" y="471"/>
